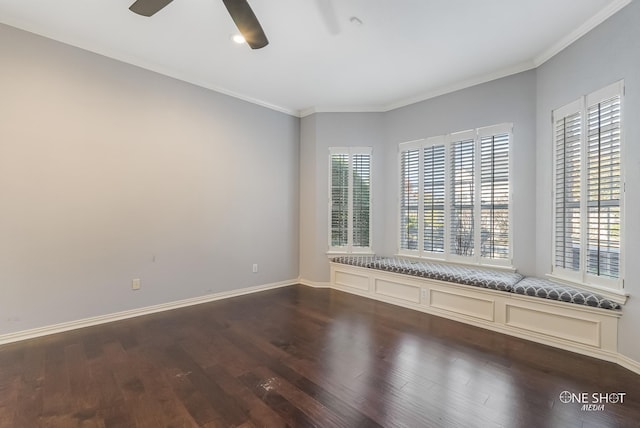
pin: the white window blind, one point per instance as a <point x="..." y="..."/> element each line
<point x="588" y="189"/>
<point x="361" y="185"/>
<point x="462" y="197"/>
<point x="350" y="199"/>
<point x="568" y="131"/>
<point x="603" y="186"/>
<point x="409" y="198"/>
<point x="434" y="198"/>
<point x="454" y="197"/>
<point x="339" y="200"/>
<point x="494" y="195"/>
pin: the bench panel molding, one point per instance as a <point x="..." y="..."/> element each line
<point x="463" y="304"/>
<point x="407" y="292"/>
<point x="351" y="279"/>
<point x="554" y="324"/>
<point x="583" y="329"/>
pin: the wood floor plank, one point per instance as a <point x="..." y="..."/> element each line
<point x="298" y="356"/>
<point x="56" y="394"/>
<point x="267" y="392"/>
<point x="9" y="391"/>
<point x="84" y="392"/>
<point x="334" y="403"/>
<point x="157" y="382"/>
<point x="320" y="414"/>
<point x="228" y="407"/>
<point x="199" y="408"/>
<point x="260" y="414"/>
<point x="111" y="408"/>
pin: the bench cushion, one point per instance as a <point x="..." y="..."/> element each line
<point x="395" y="264"/>
<point x="478" y="277"/>
<point x="360" y="261"/>
<point x="539" y="287"/>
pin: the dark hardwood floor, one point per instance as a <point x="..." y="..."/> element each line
<point x="298" y="356"/>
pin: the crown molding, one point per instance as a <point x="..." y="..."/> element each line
<point x="343" y="109"/>
<point x="592" y="23"/>
<point x="538" y="60"/>
<point x="477" y="80"/>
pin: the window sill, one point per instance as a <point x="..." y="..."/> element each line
<point x="504" y="268"/>
<point x="617" y="296"/>
<point x="336" y="253"/>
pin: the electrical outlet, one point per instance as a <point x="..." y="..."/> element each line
<point x="423" y="293"/>
<point x="255" y="268"/>
<point x="135" y="284"/>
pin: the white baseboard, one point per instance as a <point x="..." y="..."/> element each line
<point x="102" y="319"/>
<point x="628" y="363"/>
<point x="314" y="284"/>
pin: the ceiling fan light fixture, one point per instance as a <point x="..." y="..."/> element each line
<point x="238" y="38"/>
<point x="240" y="12"/>
<point x="247" y="23"/>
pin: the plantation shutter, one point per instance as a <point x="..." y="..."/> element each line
<point x="603" y="188"/>
<point x="361" y="184"/>
<point x="339" y="199"/>
<point x="568" y="134"/>
<point x="409" y="198"/>
<point x="494" y="196"/>
<point x="455" y="196"/>
<point x="462" y="197"/>
<point x="350" y="199"/>
<point x="434" y="199"/>
<point x="589" y="189"/>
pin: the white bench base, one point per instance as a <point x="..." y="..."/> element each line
<point x="578" y="328"/>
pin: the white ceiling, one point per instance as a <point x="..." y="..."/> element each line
<point x="404" y="51"/>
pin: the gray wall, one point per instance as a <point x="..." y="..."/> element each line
<point x="109" y="172"/>
<point x="318" y="133"/>
<point x="605" y="55"/>
<point x="311" y="261"/>
<point x="510" y="99"/>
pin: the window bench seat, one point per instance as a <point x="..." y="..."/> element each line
<point x="532" y="308"/>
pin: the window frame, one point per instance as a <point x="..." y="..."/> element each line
<point x="350" y="248"/>
<point x="447" y="141"/>
<point x="581" y="276"/>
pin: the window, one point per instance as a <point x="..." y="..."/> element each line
<point x="454" y="197"/>
<point x="494" y="196"/>
<point x="409" y="207"/>
<point x="434" y="199"/>
<point x="588" y="189"/>
<point x="350" y="199"/>
<point x="462" y="196"/>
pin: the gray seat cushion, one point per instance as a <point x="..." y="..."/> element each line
<point x="395" y="264"/>
<point x="484" y="278"/>
<point x="539" y="287"/>
<point x="361" y="261"/>
<point x="477" y="277"/>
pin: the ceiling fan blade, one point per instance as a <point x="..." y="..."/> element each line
<point x="148" y="7"/>
<point x="246" y="22"/>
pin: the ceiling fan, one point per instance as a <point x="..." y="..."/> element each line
<point x="239" y="10"/>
